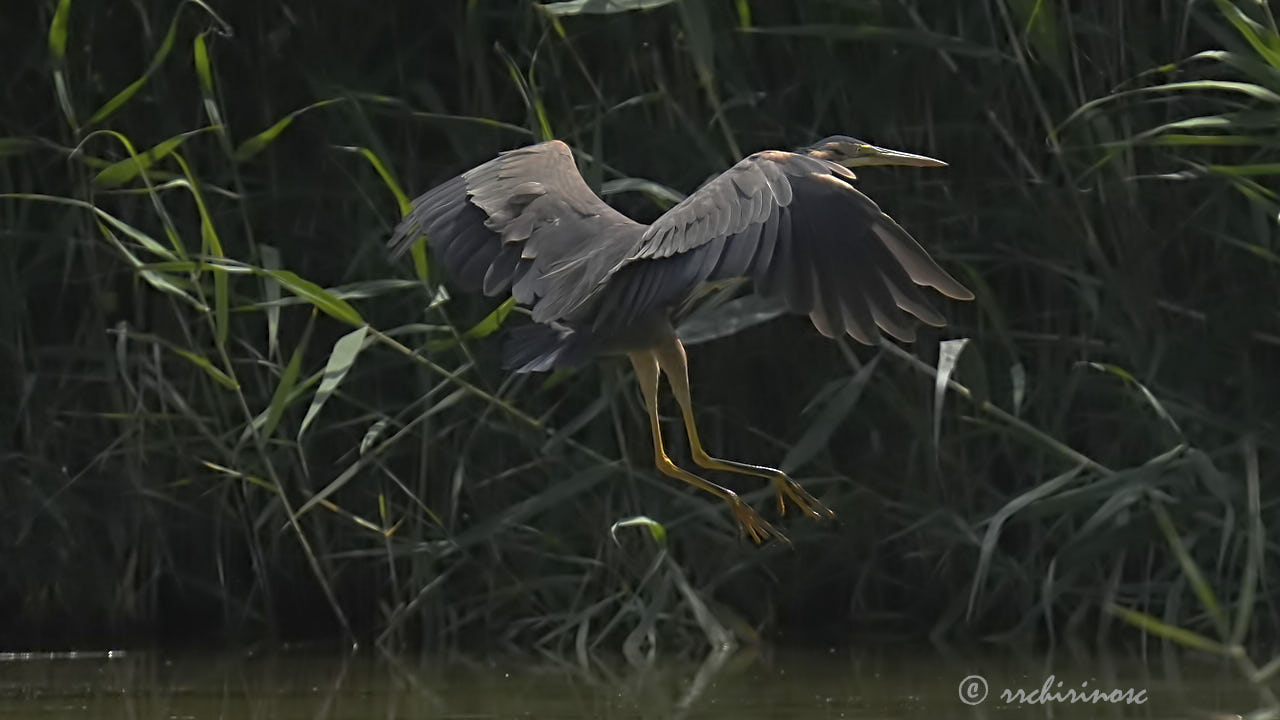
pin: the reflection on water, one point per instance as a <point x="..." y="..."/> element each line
<point x="844" y="684"/>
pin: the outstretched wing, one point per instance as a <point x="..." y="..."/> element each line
<point x="797" y="227"/>
<point x="527" y="222"/>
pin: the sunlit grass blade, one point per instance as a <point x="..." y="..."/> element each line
<point x="146" y="241"/>
<point x="211" y="245"/>
<point x="58" y="54"/>
<point x="1042" y="32"/>
<point x="1262" y="39"/>
<point x="1185" y="140"/>
<point x="1251" y="90"/>
<point x="271" y="291"/>
<point x="119" y="173"/>
<point x="477" y="120"/>
<point x="301" y="389"/>
<point x="334" y="307"/>
<point x="1250" y="170"/>
<point x="491" y="322"/>
<point x="350" y="291"/>
<point x="246" y="477"/>
<point x="486" y="327"/>
<point x="418" y="251"/>
<point x="402" y="200"/>
<point x="1190" y="570"/>
<point x="1018" y="386"/>
<point x="371" y="436"/>
<point x="166" y="46"/>
<point x="191" y="356"/>
<point x="599" y="7"/>
<point x="948" y="358"/>
<point x="259" y="142"/>
<point x="341" y="359"/>
<point x="153" y="277"/>
<point x="1147" y="395"/>
<point x="58" y="31"/>
<point x="655" y="528"/>
<point x="282" y="396"/>
<point x="1166" y="631"/>
<point x="530" y="95"/>
<point x="203" y="363"/>
<point x="204" y="68"/>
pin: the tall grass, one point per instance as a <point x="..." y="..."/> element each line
<point x="230" y="414"/>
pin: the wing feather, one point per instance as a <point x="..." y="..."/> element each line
<point x="526" y="222"/>
<point x="796" y="226"/>
<point x="738" y="253"/>
<point x="566" y="240"/>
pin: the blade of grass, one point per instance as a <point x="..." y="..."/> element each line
<point x="1190" y="569"/>
<point x="1166" y="631"/>
<point x="997" y="522"/>
<point x="288" y="379"/>
<point x="490" y="324"/>
<point x="58" y="54"/>
<point x="256" y="144"/>
<point x="334" y="307"/>
<point x="344" y="354"/>
<point x="948" y="357"/>
<point x="119" y="173"/>
<point x="271" y="291"/>
<point x="1255" y="533"/>
<point x="599" y="7"/>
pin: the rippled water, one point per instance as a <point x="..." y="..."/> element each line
<point x="844" y="684"/>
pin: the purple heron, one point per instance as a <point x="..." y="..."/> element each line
<point x="599" y="283"/>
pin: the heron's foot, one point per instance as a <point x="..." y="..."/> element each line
<point x="784" y="487"/>
<point x="749" y="520"/>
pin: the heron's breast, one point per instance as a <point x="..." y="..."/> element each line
<point x="643" y="333"/>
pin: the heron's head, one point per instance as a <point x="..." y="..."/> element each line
<point x="851" y="152"/>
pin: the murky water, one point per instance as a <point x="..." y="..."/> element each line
<point x="846" y="684"/>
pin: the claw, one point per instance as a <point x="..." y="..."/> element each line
<point x="749" y="520"/>
<point x="786" y="487"/>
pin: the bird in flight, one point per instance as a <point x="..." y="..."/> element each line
<point x="598" y="283"/>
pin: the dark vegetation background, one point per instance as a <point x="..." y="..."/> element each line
<point x="196" y="202"/>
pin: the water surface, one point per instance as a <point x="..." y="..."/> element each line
<point x="852" y="684"/>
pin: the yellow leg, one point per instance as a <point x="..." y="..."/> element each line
<point x="646" y="366"/>
<point x="671" y="358"/>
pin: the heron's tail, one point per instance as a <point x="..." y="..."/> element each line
<point x="539" y="348"/>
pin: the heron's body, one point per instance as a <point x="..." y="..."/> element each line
<point x="597" y="282"/>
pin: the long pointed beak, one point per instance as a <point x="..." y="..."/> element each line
<point x="885" y="156"/>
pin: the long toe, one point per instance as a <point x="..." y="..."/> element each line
<point x="755" y="526"/>
<point x="807" y="503"/>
